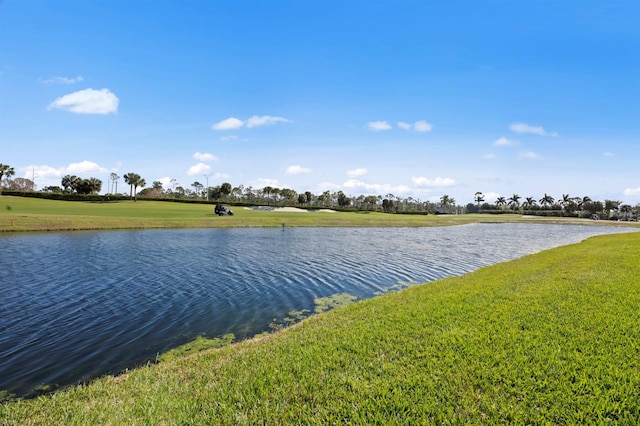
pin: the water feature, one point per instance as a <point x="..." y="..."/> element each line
<point x="74" y="306"/>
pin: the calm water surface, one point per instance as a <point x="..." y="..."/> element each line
<point x="74" y="306"/>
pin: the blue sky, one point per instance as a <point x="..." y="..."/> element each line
<point x="412" y="98"/>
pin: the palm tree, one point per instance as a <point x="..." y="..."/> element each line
<point x="529" y="202"/>
<point x="134" y="180"/>
<point x="5" y="171"/>
<point x="95" y="185"/>
<point x="547" y="200"/>
<point x="70" y="183"/>
<point x="501" y="201"/>
<point x="479" y="197"/>
<point x="514" y="201"/>
<point x="565" y="200"/>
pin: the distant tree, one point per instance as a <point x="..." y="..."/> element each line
<point x="446" y="203"/>
<point x="19" y="184"/>
<point x="529" y="202"/>
<point x="226" y="189"/>
<point x="514" y="201"/>
<point x="501" y="202"/>
<point x="197" y="188"/>
<point x="114" y="182"/>
<point x="479" y="197"/>
<point x="343" y="199"/>
<point x="95" y="185"/>
<point x="6" y="171"/>
<point x="156" y="185"/>
<point x="546" y="201"/>
<point x="387" y="205"/>
<point x="134" y="180"/>
<point x="52" y="189"/>
<point x="70" y="183"/>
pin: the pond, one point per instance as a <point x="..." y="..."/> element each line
<point x="75" y="306"/>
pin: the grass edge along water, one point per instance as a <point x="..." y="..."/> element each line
<point x="552" y="337"/>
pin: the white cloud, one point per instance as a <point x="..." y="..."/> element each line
<point x="505" y="142"/>
<point x="297" y="170"/>
<point x="88" y="101"/>
<point x="204" y="156"/>
<point x="377" y="126"/>
<point x="526" y="128"/>
<point x="199" y="169"/>
<point x="228" y="138"/>
<point x="403" y="125"/>
<point x="357" y="172"/>
<point x="608" y="154"/>
<point x="490" y="197"/>
<point x="422" y="126"/>
<point x="42" y="172"/>
<point x="62" y="80"/>
<point x="84" y="167"/>
<point x="489" y="156"/>
<point x="228" y="124"/>
<point x="530" y="155"/>
<point x="265" y="120"/>
<point x="254" y="121"/>
<point x="632" y="192"/>
<point x="221" y="175"/>
<point x="375" y="188"/>
<point x="166" y="182"/>
<point x="437" y="182"/>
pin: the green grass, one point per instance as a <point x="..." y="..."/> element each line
<point x="32" y="214"/>
<point x="549" y="338"/>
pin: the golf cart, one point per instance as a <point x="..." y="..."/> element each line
<point x="222" y="209"/>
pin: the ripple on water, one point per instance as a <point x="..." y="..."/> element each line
<point x="74" y="306"/>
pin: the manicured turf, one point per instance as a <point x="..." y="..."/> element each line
<point x="31" y="214"/>
<point x="549" y="338"/>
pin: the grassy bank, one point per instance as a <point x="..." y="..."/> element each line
<point x="32" y="214"/>
<point x="549" y="338"/>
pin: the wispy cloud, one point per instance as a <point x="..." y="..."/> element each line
<point x="228" y="124"/>
<point x="437" y="182"/>
<point x="62" y="80"/>
<point x="378" y="126"/>
<point x="204" y="156"/>
<point x="422" y="126"/>
<point x="530" y="155"/>
<point x="265" y="120"/>
<point x="526" y="128"/>
<point x="608" y="154"/>
<point x="632" y="192"/>
<point x="489" y="156"/>
<point x="88" y="101"/>
<point x="297" y="170"/>
<point x="374" y="188"/>
<point x="357" y="172"/>
<point x="232" y="123"/>
<point x="505" y="142"/>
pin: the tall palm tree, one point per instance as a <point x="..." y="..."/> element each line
<point x="134" y="180"/>
<point x="566" y="199"/>
<point x="479" y="197"/>
<point x="529" y="202"/>
<point x="501" y="201"/>
<point x="95" y="185"/>
<point x="514" y="201"/>
<point x="5" y="171"/>
<point x="547" y="200"/>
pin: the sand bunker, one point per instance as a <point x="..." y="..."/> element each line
<point x="288" y="209"/>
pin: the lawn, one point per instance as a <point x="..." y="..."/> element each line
<point x="552" y="337"/>
<point x="32" y="214"/>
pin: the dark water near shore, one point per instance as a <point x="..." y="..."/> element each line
<point x="74" y="306"/>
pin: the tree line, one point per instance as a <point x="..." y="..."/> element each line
<point x="565" y="205"/>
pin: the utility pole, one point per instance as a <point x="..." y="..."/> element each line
<point x="207" y="177"/>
